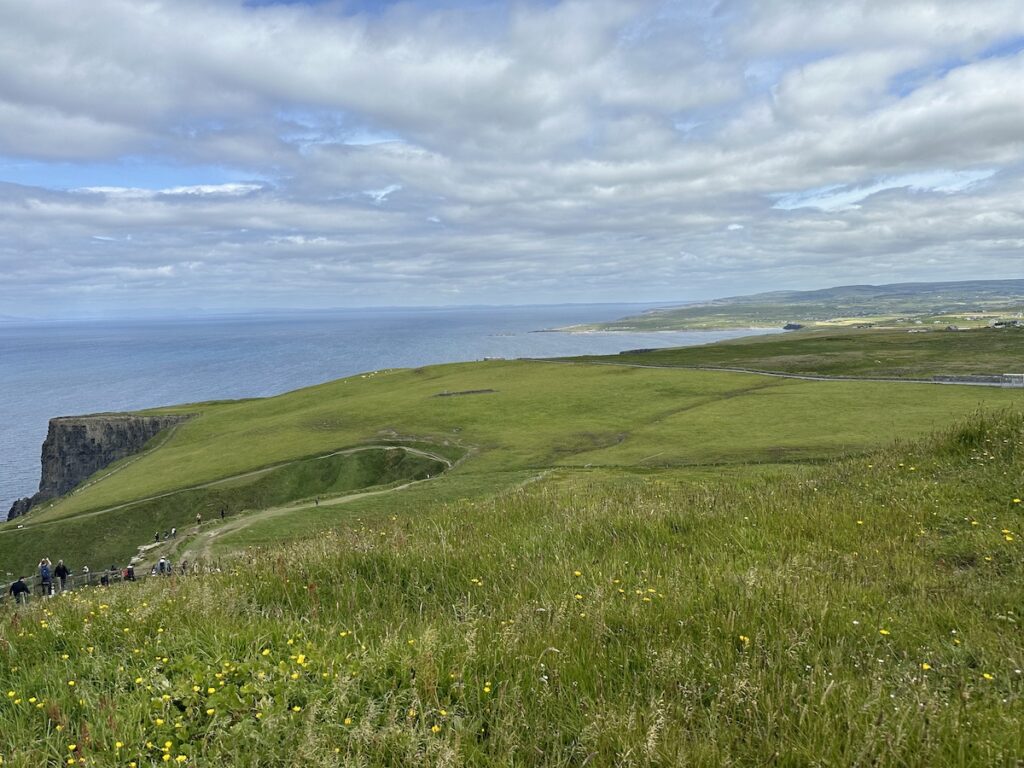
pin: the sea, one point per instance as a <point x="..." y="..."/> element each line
<point x="52" y="369"/>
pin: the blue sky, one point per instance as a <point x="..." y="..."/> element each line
<point x="243" y="155"/>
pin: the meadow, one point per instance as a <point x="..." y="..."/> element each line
<point x="544" y="563"/>
<point x="849" y="352"/>
<point x="524" y="416"/>
<point x="864" y="612"/>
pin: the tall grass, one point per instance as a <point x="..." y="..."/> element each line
<point x="861" y="613"/>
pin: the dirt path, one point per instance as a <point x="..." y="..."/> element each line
<point x="253" y="473"/>
<point x="199" y="547"/>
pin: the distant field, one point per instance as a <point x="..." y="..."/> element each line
<point x="863" y="353"/>
<point x="967" y="303"/>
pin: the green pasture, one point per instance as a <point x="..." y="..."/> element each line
<point x="862" y="612"/>
<point x="861" y="353"/>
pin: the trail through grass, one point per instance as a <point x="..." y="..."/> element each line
<point x="865" y="612"/>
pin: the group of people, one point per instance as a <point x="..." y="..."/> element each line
<point x="53" y="579"/>
<point x="165" y="568"/>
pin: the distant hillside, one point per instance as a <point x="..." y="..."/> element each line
<point x="969" y="303"/>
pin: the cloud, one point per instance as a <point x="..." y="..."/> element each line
<point x="563" y="150"/>
<point x="838" y="197"/>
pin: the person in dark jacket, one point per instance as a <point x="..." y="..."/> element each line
<point x="62" y="572"/>
<point x="46" y="576"/>
<point x="19" y="590"/>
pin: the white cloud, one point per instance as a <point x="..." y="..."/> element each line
<point x="556" y="150"/>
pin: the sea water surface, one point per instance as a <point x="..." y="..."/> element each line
<point x="59" y="369"/>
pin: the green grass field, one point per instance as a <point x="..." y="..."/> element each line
<point x="580" y="564"/>
<point x="539" y="416"/>
<point x="861" y="353"/>
<point x="865" y="612"/>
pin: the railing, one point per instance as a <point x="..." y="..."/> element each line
<point x="90" y="579"/>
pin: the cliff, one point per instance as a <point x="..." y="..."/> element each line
<point x="78" y="446"/>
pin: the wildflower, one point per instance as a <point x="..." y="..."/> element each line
<point x="860" y="522"/>
<point x="745" y="640"/>
<point x="578" y="596"/>
<point x="926" y="666"/>
<point x="180" y="759"/>
<point x="210" y="711"/>
<point x="987" y="676"/>
<point x="348" y="721"/>
<point x="159" y="721"/>
<point x="71" y="683"/>
<point x="1016" y="501"/>
<point x="577" y="573"/>
<point x="296" y="708"/>
<point x="435" y="728"/>
<point x="884" y="632"/>
<point x="411" y="714"/>
<point x="266" y="651"/>
<point x="118" y="744"/>
<point x="487" y="687"/>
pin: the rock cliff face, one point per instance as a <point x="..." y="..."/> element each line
<point x="78" y="446"/>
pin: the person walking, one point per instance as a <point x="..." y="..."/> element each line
<point x="19" y="590"/>
<point x="199" y="518"/>
<point x="174" y="533"/>
<point x="62" y="572"/>
<point x="46" y="576"/>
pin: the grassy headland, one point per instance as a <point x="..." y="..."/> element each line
<point x="860" y="613"/>
<point x="578" y="564"/>
<point x="966" y="304"/>
<point x="539" y="416"/>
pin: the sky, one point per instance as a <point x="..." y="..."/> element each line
<point x="184" y="156"/>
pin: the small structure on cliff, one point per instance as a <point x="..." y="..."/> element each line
<point x="77" y="447"/>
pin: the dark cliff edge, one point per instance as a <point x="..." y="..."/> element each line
<point x="78" y="446"/>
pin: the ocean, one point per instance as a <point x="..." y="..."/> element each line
<point x="60" y="369"/>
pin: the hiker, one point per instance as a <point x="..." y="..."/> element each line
<point x="316" y="502"/>
<point x="184" y="567"/>
<point x="174" y="533"/>
<point x="156" y="537"/>
<point x="62" y="572"/>
<point x="104" y="580"/>
<point x="222" y="513"/>
<point x="19" y="590"/>
<point x="199" y="518"/>
<point x="152" y="571"/>
<point x="46" y="576"/>
<point x="162" y="566"/>
<point x="85" y="574"/>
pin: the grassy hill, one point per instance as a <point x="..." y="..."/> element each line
<point x="525" y="417"/>
<point x="551" y="563"/>
<point x="865" y="612"/>
<point x="970" y="303"/>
